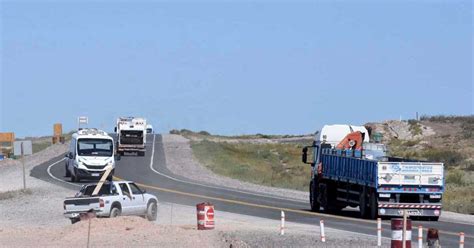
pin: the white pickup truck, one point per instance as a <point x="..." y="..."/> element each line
<point x="114" y="199"/>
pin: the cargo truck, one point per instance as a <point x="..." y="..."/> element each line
<point x="131" y="135"/>
<point x="379" y="185"/>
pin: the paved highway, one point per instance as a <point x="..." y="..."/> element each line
<point x="150" y="172"/>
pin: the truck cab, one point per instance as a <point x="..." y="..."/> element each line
<point x="91" y="153"/>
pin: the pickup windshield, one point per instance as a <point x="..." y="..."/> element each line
<point x="95" y="147"/>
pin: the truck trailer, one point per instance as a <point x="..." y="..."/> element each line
<point x="131" y="135"/>
<point x="367" y="178"/>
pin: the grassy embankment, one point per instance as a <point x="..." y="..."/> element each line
<point x="270" y="164"/>
<point x="279" y="164"/>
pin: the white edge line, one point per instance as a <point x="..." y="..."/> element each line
<point x="52" y="176"/>
<point x="212" y="187"/>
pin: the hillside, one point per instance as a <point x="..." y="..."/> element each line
<point x="447" y="139"/>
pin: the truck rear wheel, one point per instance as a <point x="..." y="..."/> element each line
<point x="313" y="198"/>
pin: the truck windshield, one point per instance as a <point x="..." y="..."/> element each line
<point x="95" y="147"/>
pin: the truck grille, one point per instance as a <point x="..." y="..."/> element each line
<point x="95" y="167"/>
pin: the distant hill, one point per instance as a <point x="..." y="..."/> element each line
<point x="447" y="139"/>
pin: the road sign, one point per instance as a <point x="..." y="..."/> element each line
<point x="83" y="120"/>
<point x="23" y="147"/>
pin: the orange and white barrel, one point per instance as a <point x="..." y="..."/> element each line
<point x="205" y="216"/>
<point x="397" y="233"/>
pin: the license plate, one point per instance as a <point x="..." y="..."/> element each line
<point x="95" y="174"/>
<point x="412" y="212"/>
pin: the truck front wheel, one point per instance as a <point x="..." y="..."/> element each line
<point x="374" y="207"/>
<point x="363" y="210"/>
<point x="313" y="197"/>
<point x="68" y="173"/>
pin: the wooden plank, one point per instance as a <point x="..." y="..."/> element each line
<point x="101" y="181"/>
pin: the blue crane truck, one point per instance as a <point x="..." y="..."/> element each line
<point x="379" y="185"/>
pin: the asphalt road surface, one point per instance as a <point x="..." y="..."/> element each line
<point x="150" y="172"/>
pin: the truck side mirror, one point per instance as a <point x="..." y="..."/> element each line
<point x="304" y="156"/>
<point x="118" y="157"/>
<point x="115" y="129"/>
<point x="70" y="155"/>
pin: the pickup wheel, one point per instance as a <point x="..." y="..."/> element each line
<point x="141" y="154"/>
<point x="115" y="212"/>
<point x="74" y="220"/>
<point x="151" y="211"/>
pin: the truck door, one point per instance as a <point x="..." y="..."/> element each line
<point x="127" y="206"/>
<point x="138" y="200"/>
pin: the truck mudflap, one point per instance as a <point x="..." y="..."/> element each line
<point x="429" y="210"/>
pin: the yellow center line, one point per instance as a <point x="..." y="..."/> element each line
<point x="272" y="207"/>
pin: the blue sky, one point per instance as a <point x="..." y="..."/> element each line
<point x="233" y="67"/>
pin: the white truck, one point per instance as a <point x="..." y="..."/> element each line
<point x="113" y="199"/>
<point x="131" y="135"/>
<point x="91" y="153"/>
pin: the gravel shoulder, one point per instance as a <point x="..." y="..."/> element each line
<point x="181" y="161"/>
